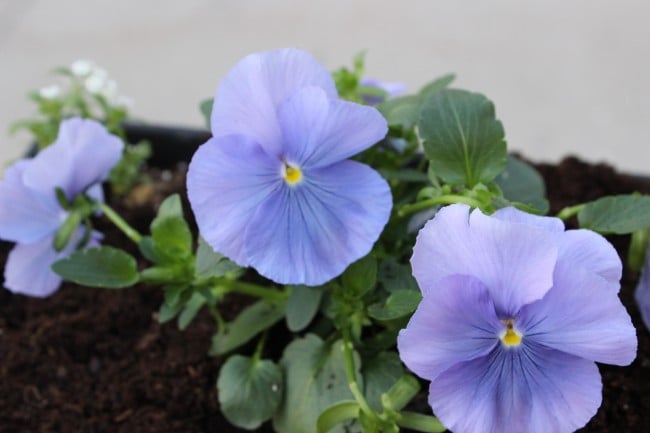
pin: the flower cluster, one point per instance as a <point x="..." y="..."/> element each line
<point x="515" y="311"/>
<point x="274" y="189"/>
<point x="30" y="211"/>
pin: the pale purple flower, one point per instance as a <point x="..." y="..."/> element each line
<point x="30" y="214"/>
<point x="273" y="189"/>
<point x="391" y="89"/>
<point x="515" y="311"/>
<point x="642" y="293"/>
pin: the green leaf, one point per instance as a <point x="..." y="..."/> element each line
<point x="360" y="276"/>
<point x="636" y="255"/>
<point x="404" y="111"/>
<point x="399" y="303"/>
<point x="395" y="276"/>
<point x="379" y="374"/>
<point x="420" y="422"/>
<point x="336" y="414"/>
<point x="250" y="390"/>
<point x="314" y="381"/>
<point x="436" y="85"/>
<point x="190" y="310"/>
<point x="401" y="392"/>
<point x="172" y="238"/>
<point x="462" y="137"/>
<point x="302" y="306"/>
<point x="619" y="214"/>
<point x="206" y="110"/>
<point x="250" y="322"/>
<point x="105" y="267"/>
<point x="521" y="183"/>
<point x="211" y="264"/>
<point x="401" y="111"/>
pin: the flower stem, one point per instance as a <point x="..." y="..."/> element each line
<point x="443" y="199"/>
<point x="120" y="223"/>
<point x="570" y="211"/>
<point x="348" y="358"/>
<point x="253" y="290"/>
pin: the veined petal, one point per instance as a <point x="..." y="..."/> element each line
<point x="533" y="390"/>
<point x="514" y="215"/>
<point x="309" y="233"/>
<point x="515" y="261"/>
<point x="28" y="268"/>
<point x="26" y="215"/>
<point x="319" y="131"/>
<point x="83" y="154"/>
<point x="592" y="252"/>
<point x="455" y="322"/>
<point x="227" y="179"/>
<point x="582" y="316"/>
<point x="248" y="98"/>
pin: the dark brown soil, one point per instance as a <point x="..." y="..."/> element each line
<point x="88" y="360"/>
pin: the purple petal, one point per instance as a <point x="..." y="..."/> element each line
<point x="83" y="154"/>
<point x="582" y="316"/>
<point x="227" y="180"/>
<point x="515" y="261"/>
<point x="28" y="268"/>
<point x="531" y="390"/>
<point x="592" y="252"/>
<point x="319" y="131"/>
<point x="26" y="215"/>
<point x="309" y="233"/>
<point x="642" y="293"/>
<point x="454" y="323"/>
<point x="248" y="97"/>
<point x="514" y="215"/>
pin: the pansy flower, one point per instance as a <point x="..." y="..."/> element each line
<point x="274" y="188"/>
<point x="515" y="311"/>
<point x="30" y="214"/>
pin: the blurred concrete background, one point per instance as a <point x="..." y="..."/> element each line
<point x="566" y="77"/>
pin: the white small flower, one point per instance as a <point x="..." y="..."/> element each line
<point x="96" y="82"/>
<point x="81" y="67"/>
<point x="50" y="92"/>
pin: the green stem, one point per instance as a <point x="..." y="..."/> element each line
<point x="260" y="347"/>
<point x="253" y="290"/>
<point x="348" y="357"/>
<point x="120" y="223"/>
<point x="216" y="315"/>
<point x="443" y="199"/>
<point x="570" y="211"/>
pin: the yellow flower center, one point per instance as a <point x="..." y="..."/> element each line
<point x="510" y="337"/>
<point x="292" y="175"/>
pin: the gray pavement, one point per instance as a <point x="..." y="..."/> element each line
<point x="566" y="76"/>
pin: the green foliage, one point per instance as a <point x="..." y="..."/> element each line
<point x="620" y="214"/>
<point x="171" y="236"/>
<point x="336" y="414"/>
<point x="314" y="381"/>
<point x="347" y="81"/>
<point x="462" y="137"/>
<point x="206" y="110"/>
<point x="251" y="321"/>
<point x="399" y="303"/>
<point x="521" y="183"/>
<point x="404" y="111"/>
<point x="105" y="267"/>
<point x="636" y="256"/>
<point x="210" y="264"/>
<point x="127" y="172"/>
<point x="302" y="306"/>
<point x="360" y="276"/>
<point x="380" y="373"/>
<point x="250" y="390"/>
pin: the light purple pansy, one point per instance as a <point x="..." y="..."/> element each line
<point x="514" y="315"/>
<point x="642" y="293"/>
<point x="30" y="214"/>
<point x="274" y="189"/>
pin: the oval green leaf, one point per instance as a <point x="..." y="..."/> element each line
<point x="619" y="214"/>
<point x="104" y="267"/>
<point x="462" y="137"/>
